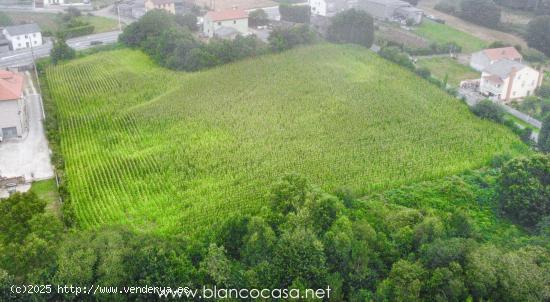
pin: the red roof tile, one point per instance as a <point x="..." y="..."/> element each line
<point x="11" y="85"/>
<point x="509" y="53"/>
<point x="230" y="14"/>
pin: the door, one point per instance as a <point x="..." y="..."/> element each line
<point x="9" y="132"/>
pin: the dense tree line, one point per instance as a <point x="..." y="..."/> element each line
<point x="537" y="34"/>
<point x="169" y="41"/>
<point x="295" y="13"/>
<point x="372" y="249"/>
<point x="352" y="26"/>
<point x="482" y="12"/>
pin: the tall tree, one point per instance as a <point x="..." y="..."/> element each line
<point x="538" y="35"/>
<point x="544" y="135"/>
<point x="352" y="26"/>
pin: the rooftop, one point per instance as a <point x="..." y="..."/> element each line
<point x="230" y="14"/>
<point x="22" y="29"/>
<point x="503" y="68"/>
<point x="11" y="85"/>
<point x="495" y="54"/>
<point x="161" y="2"/>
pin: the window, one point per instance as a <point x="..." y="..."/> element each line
<point x="34" y="35"/>
<point x="533" y="83"/>
<point x="514" y="93"/>
<point x="219" y="23"/>
<point x="234" y="21"/>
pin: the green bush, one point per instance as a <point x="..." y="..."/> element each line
<point x="488" y="110"/>
<point x="394" y="54"/>
<point x="423" y="72"/>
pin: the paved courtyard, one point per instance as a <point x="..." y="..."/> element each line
<point x="30" y="155"/>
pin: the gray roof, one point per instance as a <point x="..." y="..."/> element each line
<point x="503" y="68"/>
<point x="23" y="29"/>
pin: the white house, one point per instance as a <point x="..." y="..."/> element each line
<point x="389" y="9"/>
<point x="232" y="18"/>
<point x="23" y="36"/>
<point x="12" y="105"/>
<point x="506" y="80"/>
<point x="328" y="8"/>
<point x="483" y="59"/>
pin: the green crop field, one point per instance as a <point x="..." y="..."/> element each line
<point x="442" y="33"/>
<point x="169" y="152"/>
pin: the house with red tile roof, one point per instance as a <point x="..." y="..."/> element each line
<point x="507" y="80"/>
<point x="483" y="59"/>
<point x="167" y="5"/>
<point x="222" y="21"/>
<point x="12" y="105"/>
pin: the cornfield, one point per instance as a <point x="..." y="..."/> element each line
<point x="172" y="152"/>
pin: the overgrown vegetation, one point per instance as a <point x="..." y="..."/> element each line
<point x="432" y="241"/>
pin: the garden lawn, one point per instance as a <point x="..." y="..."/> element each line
<point x="445" y="66"/>
<point x="442" y="33"/>
<point x="168" y="152"/>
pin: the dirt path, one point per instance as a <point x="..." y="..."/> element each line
<point x="473" y="29"/>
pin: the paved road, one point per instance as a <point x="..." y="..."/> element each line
<point x="24" y="57"/>
<point x="30" y="155"/>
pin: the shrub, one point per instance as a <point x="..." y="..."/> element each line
<point x="544" y="91"/>
<point x="394" y="54"/>
<point x="283" y="39"/>
<point x="486" y="109"/>
<point x="423" y="72"/>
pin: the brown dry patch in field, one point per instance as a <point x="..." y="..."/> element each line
<point x="481" y="32"/>
<point x="228" y="4"/>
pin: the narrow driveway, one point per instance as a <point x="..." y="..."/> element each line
<point x="29" y="156"/>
